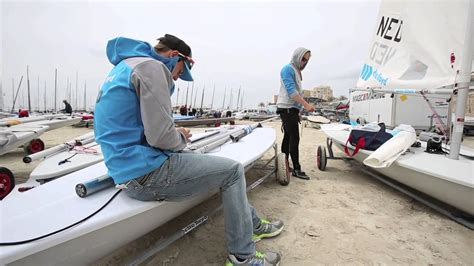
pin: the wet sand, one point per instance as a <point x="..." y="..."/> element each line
<point x="340" y="216"/>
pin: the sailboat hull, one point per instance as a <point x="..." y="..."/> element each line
<point x="92" y="246"/>
<point x="435" y="175"/>
<point x="55" y="205"/>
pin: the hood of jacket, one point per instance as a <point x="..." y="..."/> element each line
<point x="121" y="48"/>
<point x="298" y="57"/>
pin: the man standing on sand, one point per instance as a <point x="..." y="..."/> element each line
<point x="289" y="105"/>
<point x="141" y="145"/>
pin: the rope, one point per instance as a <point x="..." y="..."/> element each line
<point x="438" y="122"/>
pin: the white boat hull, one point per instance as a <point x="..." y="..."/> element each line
<point x="450" y="181"/>
<point x="76" y="160"/>
<point x="92" y="246"/>
<point x="55" y="205"/>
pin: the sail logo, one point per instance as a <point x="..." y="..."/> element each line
<point x="366" y="72"/>
<point x="369" y="71"/>
<point x="378" y="76"/>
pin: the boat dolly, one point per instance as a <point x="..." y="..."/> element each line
<point x="7" y="179"/>
<point x="322" y="158"/>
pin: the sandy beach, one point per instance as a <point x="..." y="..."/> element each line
<point x="340" y="216"/>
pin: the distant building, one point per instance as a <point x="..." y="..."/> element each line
<point x="315" y="95"/>
<point x="318" y="94"/>
<point x="323" y="92"/>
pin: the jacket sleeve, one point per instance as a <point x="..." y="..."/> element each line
<point x="152" y="80"/>
<point x="288" y="77"/>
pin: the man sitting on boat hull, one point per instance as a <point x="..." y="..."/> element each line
<point x="140" y="143"/>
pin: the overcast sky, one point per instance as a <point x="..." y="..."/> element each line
<point x="234" y="43"/>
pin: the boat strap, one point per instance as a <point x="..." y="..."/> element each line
<point x="360" y="145"/>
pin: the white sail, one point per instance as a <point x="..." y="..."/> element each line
<point x="417" y="45"/>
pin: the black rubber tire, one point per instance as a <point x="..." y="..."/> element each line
<point x="7" y="182"/>
<point x="34" y="146"/>
<point x="283" y="170"/>
<point x="321" y="158"/>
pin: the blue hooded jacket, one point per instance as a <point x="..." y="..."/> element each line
<point x="118" y="123"/>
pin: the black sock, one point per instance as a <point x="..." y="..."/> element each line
<point x="240" y="259"/>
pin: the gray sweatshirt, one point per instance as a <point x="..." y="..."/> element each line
<point x="290" y="80"/>
<point x="152" y="81"/>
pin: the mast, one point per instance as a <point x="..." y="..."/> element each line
<point x="55" y="89"/>
<point x="182" y="98"/>
<point x="13" y="92"/>
<point x="223" y="102"/>
<point x="85" y="94"/>
<point x="230" y="100"/>
<point x="68" y="90"/>
<point x="191" y="99"/>
<point x="463" y="89"/>
<point x="44" y="96"/>
<point x="213" y="91"/>
<point x="238" y="98"/>
<point x="38" y="94"/>
<point x="202" y="95"/>
<point x="195" y="96"/>
<point x="14" y="100"/>
<point x="186" y="103"/>
<point x="77" y="94"/>
<point x="177" y="98"/>
<point x="28" y="85"/>
<point x="1" y="97"/>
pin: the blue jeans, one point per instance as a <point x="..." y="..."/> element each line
<point x="185" y="175"/>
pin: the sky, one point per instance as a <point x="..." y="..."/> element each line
<point x="235" y="45"/>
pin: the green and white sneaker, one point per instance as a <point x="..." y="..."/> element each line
<point x="261" y="259"/>
<point x="267" y="229"/>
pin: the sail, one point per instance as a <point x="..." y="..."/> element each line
<point x="416" y="45"/>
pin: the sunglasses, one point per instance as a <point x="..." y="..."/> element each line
<point x="187" y="60"/>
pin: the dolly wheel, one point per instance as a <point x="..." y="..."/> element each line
<point x="321" y="159"/>
<point x="283" y="170"/>
<point x="217" y="124"/>
<point x="35" y="145"/>
<point x="232" y="122"/>
<point x="7" y="182"/>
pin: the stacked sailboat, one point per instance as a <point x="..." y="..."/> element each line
<point x="415" y="66"/>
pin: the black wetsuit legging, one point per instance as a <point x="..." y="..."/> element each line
<point x="290" y="119"/>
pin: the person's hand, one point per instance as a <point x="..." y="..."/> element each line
<point x="185" y="132"/>
<point x="309" y="107"/>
